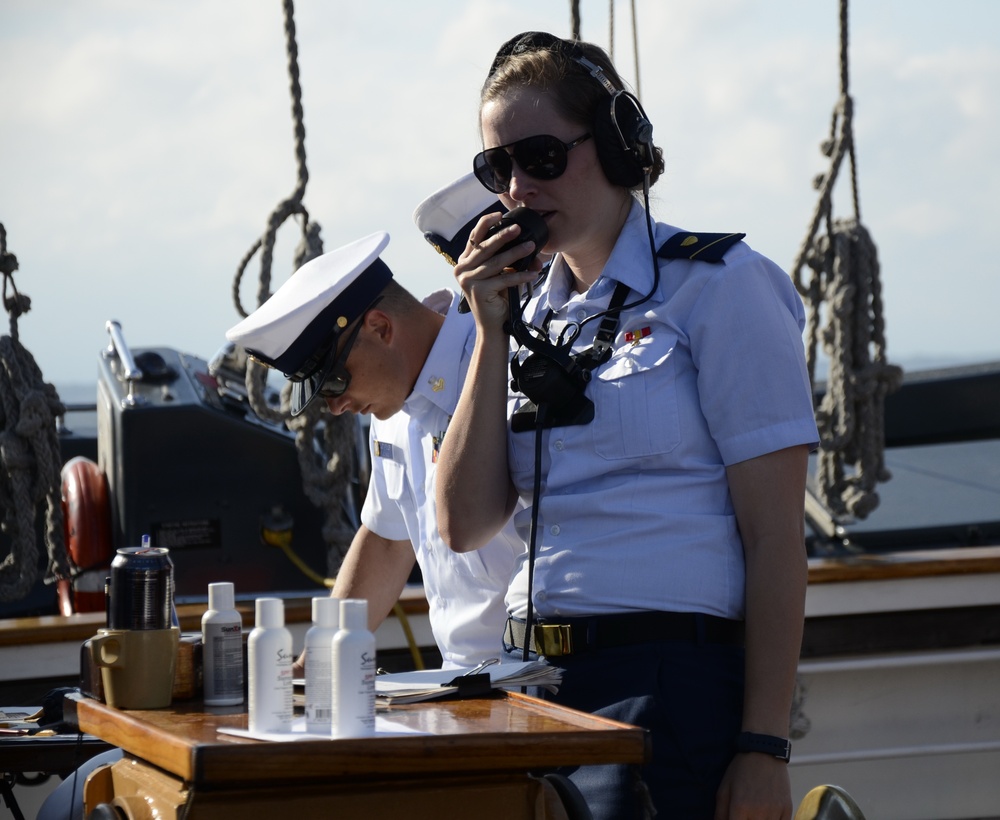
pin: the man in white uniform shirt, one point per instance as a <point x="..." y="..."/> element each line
<point x="345" y="331"/>
<point x="411" y="407"/>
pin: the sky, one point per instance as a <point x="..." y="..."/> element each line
<point x="143" y="146"/>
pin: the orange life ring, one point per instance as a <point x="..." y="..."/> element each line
<point x="86" y="506"/>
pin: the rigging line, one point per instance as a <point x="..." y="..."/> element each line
<point x="845" y="94"/>
<point x="839" y="144"/>
<point x="292" y="205"/>
<point x="635" y="51"/>
<point x="611" y="29"/>
<point x="324" y="444"/>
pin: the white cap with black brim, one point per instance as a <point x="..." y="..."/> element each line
<point x="296" y="329"/>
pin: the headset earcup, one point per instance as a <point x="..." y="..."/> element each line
<point x="623" y="164"/>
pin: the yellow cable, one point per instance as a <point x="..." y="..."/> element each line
<point x="306" y="570"/>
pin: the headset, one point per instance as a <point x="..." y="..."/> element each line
<point x="622" y="132"/>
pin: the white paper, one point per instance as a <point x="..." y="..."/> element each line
<point x="384" y="727"/>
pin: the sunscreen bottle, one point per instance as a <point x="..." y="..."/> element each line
<point x="353" y="672"/>
<point x="222" y="648"/>
<point x="269" y="650"/>
<point x="319" y="664"/>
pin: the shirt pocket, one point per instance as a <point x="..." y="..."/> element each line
<point x="635" y="396"/>
<point x="393" y="475"/>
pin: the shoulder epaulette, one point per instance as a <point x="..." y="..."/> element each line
<point x="701" y="247"/>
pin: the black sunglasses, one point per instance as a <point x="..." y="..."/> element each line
<point x="333" y="379"/>
<point x="542" y="157"/>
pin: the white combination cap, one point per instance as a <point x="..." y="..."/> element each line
<point x="296" y="328"/>
<point x="447" y="217"/>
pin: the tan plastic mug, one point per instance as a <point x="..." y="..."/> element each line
<point x="137" y="666"/>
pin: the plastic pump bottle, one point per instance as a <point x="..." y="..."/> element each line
<point x="319" y="664"/>
<point x="222" y="647"/>
<point x="353" y="672"/>
<point x="269" y="650"/>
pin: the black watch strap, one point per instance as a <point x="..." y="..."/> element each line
<point x="778" y="747"/>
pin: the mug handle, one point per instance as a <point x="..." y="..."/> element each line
<point x="107" y="651"/>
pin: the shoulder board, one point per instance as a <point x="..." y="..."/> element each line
<point x="701" y="247"/>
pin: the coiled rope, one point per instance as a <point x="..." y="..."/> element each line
<point x="30" y="460"/>
<point x="845" y="276"/>
<point x="325" y="443"/>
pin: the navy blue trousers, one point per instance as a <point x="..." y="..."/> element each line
<point x="689" y="696"/>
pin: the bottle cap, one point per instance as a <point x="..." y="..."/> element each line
<point x="220" y="595"/>
<point x="326" y="611"/>
<point x="270" y="613"/>
<point x="354" y="613"/>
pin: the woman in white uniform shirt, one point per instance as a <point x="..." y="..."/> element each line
<point x="672" y="515"/>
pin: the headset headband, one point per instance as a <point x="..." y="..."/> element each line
<point x="529" y="41"/>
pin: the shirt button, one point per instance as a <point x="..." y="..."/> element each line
<point x="559" y="445"/>
<point x="581" y="314"/>
<point x="554" y="529"/>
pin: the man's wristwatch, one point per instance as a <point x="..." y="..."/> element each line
<point x="778" y="747"/>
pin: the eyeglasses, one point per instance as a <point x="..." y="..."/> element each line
<point x="333" y="379"/>
<point x="542" y="157"/>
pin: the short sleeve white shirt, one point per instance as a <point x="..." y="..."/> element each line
<point x="465" y="592"/>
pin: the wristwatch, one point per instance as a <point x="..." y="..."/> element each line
<point x="778" y="747"/>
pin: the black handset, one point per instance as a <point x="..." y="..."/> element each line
<point x="533" y="229"/>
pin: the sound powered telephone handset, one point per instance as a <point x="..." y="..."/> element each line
<point x="533" y="229"/>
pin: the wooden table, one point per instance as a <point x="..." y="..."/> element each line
<point x="473" y="761"/>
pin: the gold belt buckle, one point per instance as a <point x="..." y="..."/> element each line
<point x="553" y="639"/>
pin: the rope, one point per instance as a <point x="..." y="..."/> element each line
<point x="324" y="443"/>
<point x="635" y="51"/>
<point x="611" y="30"/>
<point x="30" y="460"/>
<point x="845" y="277"/>
<point x="574" y="20"/>
<point x="311" y="244"/>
